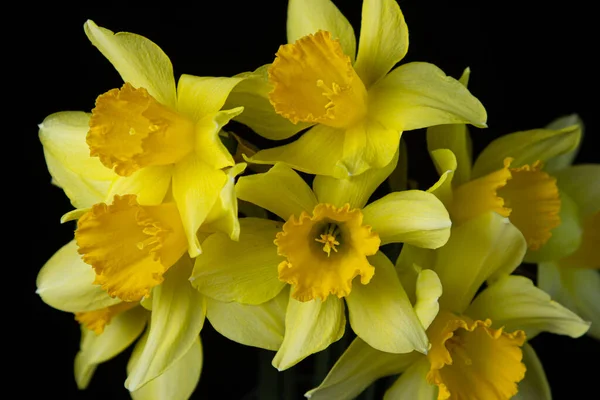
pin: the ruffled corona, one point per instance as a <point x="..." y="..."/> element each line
<point x="470" y="360"/>
<point x="130" y="130"/>
<point x="527" y="195"/>
<point x="130" y="246"/>
<point x="586" y="256"/>
<point x="325" y="252"/>
<point x="314" y="81"/>
<point x="98" y="319"/>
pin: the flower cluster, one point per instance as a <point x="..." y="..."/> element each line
<point x="160" y="244"/>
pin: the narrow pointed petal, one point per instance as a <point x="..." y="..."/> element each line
<point x="357" y="368"/>
<point x="316" y="152"/>
<point x="198" y="97"/>
<point x="515" y="303"/>
<point x="309" y="328"/>
<point x="261" y="325"/>
<point x="483" y="247"/>
<point x="455" y="138"/>
<point x="138" y="60"/>
<point x="253" y="94"/>
<point x="309" y="16"/>
<point x="196" y="188"/>
<point x="445" y="163"/>
<point x="178" y="382"/>
<point x="381" y="313"/>
<point x="222" y="273"/>
<point x="535" y="384"/>
<point x="526" y="147"/>
<point x="117" y="336"/>
<point x="149" y="184"/>
<point x="418" y="95"/>
<point x="413" y="384"/>
<point x="280" y="190"/>
<point x="564" y="160"/>
<point x="66" y="283"/>
<point x="383" y="39"/>
<point x="354" y="190"/>
<point x="413" y="216"/>
<point x="175" y="304"/>
<point x="582" y="183"/>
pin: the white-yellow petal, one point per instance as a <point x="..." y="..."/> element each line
<point x="413" y="384"/>
<point x="427" y="292"/>
<point x="564" y="160"/>
<point x="445" y="163"/>
<point x="535" y="384"/>
<point x="150" y="184"/>
<point x="455" y="138"/>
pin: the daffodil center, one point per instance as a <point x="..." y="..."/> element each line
<point x="325" y="251"/>
<point x="130" y="246"/>
<point x="314" y="81"/>
<point x="470" y="360"/>
<point x="526" y="195"/>
<point x="130" y="130"/>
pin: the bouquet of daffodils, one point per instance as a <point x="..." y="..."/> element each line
<point x="180" y="219"/>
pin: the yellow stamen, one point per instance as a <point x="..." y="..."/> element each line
<point x="130" y="130"/>
<point x="470" y="360"/>
<point x="314" y="275"/>
<point x="98" y="319"/>
<point x="586" y="256"/>
<point x="130" y="246"/>
<point x="313" y="81"/>
<point x="527" y="195"/>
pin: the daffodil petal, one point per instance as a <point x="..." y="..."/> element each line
<point x="383" y="39"/>
<point x="196" y="189"/>
<point x="261" y="325"/>
<point x="445" y="163"/>
<point x="381" y="313"/>
<point x="66" y="283"/>
<point x="309" y="328"/>
<point x="253" y="94"/>
<point x="417" y="95"/>
<point x="176" y="383"/>
<point x="208" y="143"/>
<point x="481" y="248"/>
<point x="138" y="60"/>
<point x="309" y="16"/>
<point x="280" y="190"/>
<point x="565" y="238"/>
<point x="456" y="139"/>
<point x="564" y="160"/>
<point x="525" y="148"/>
<point x="515" y="303"/>
<point x="582" y="183"/>
<point x="535" y="384"/>
<point x="199" y="96"/>
<point x="356" y="369"/>
<point x="412" y="216"/>
<point x="149" y="184"/>
<point x="354" y="190"/>
<point x="175" y="304"/>
<point x="427" y="292"/>
<point x="222" y="273"/>
<point x="316" y="152"/>
<point x="117" y="336"/>
<point x="409" y="264"/>
<point x="413" y="384"/>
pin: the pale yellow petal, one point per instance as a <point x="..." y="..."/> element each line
<point x="582" y="183"/>
<point x="175" y="304"/>
<point x="357" y="368"/>
<point x="477" y="250"/>
<point x="138" y="60"/>
<point x="427" y="292"/>
<point x="413" y="384"/>
<point x="309" y="16"/>
<point x="117" y="336"/>
<point x="565" y="160"/>
<point x="409" y="264"/>
<point x="280" y="190"/>
<point x="209" y="146"/>
<point x="149" y="184"/>
<point x="515" y="303"/>
<point x="455" y="138"/>
<point x="413" y="216"/>
<point x="309" y="328"/>
<point x="354" y="190"/>
<point x="196" y="189"/>
<point x="383" y="39"/>
<point x="535" y="384"/>
<point x="66" y="283"/>
<point x="381" y="313"/>
<point x="445" y="163"/>
<point x="261" y="325"/>
<point x="525" y="148"/>
<point x="419" y="95"/>
<point x="244" y="271"/>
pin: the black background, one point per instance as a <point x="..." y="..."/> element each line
<point x="531" y="62"/>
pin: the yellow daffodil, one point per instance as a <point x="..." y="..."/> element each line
<point x="478" y="342"/>
<point x="355" y="110"/>
<point x="328" y="238"/>
<point x="145" y="137"/>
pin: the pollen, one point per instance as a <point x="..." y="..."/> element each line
<point x="314" y="81"/>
